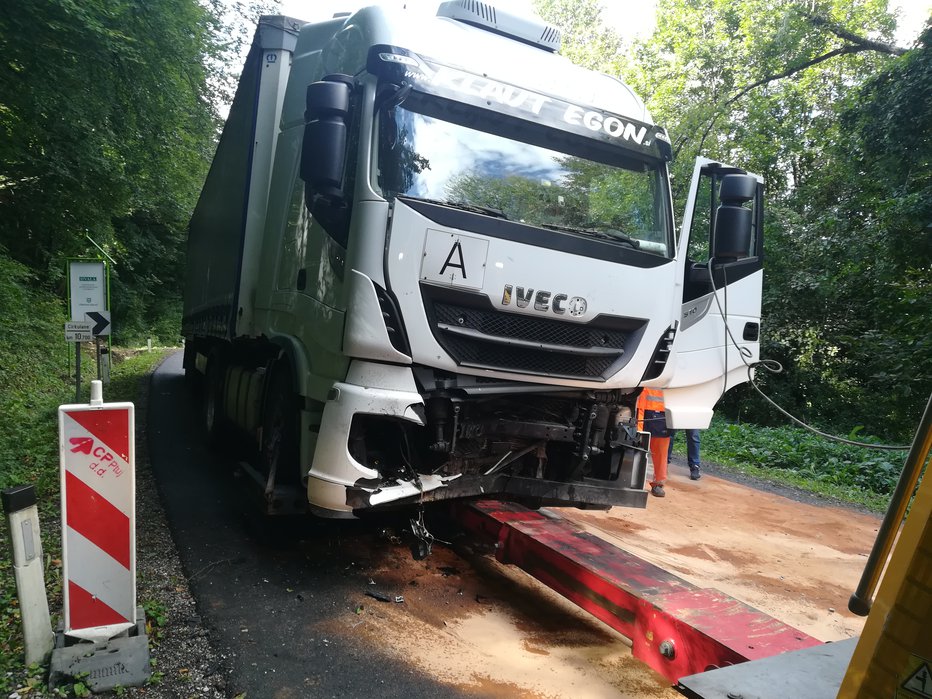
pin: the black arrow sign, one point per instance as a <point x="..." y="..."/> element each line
<point x="102" y="322"/>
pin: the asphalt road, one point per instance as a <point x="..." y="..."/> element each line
<point x="271" y="596"/>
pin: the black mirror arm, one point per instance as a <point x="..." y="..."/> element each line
<point x="391" y="96"/>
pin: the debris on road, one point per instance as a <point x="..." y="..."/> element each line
<point x="382" y="597"/>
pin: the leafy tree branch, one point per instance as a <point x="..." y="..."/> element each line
<point x="858" y="44"/>
<point x="855" y="39"/>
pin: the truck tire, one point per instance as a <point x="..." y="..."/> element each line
<point x="280" y="427"/>
<point x="215" y="423"/>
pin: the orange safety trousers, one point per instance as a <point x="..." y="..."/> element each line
<point x="659" y="449"/>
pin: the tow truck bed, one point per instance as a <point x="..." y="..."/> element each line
<point x="675" y="627"/>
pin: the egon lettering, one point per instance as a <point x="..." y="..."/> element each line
<point x="529" y="101"/>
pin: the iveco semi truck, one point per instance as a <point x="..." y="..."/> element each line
<point x="434" y="259"/>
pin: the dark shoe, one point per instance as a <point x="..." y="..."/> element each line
<point x="694" y="474"/>
<point x="657" y="491"/>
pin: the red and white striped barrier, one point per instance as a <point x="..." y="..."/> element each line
<point x="97" y="456"/>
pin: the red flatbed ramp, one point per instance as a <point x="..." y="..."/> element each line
<point x="675" y="627"/>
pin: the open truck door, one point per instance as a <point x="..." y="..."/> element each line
<point x="719" y="260"/>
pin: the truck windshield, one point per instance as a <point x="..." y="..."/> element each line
<point x="593" y="193"/>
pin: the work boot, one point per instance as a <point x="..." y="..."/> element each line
<point x="694" y="474"/>
<point x="657" y="491"/>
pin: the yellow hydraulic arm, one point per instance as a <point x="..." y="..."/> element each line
<point x="893" y="658"/>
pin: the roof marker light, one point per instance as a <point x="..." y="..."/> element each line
<point x="396" y="58"/>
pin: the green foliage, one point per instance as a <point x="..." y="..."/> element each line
<point x="108" y="121"/>
<point x="586" y="39"/>
<point x="156" y="677"/>
<point x="849" y="269"/>
<point x="866" y="245"/>
<point x="796" y="457"/>
<point x="33" y="373"/>
<point x="106" y="110"/>
<point x="156" y="614"/>
<point x="156" y="618"/>
<point x="727" y="80"/>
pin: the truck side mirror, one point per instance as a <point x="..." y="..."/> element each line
<point x="323" y="153"/>
<point x="732" y="239"/>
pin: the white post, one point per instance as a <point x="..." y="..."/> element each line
<point x="19" y="504"/>
<point x="97" y="393"/>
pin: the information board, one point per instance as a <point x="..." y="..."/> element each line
<point x="87" y="287"/>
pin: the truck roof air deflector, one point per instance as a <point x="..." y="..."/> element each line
<point x="529" y="29"/>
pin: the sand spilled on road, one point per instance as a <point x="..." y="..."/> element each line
<point x="492" y="631"/>
<point x="796" y="561"/>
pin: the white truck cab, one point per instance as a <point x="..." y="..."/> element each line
<point x="434" y="259"/>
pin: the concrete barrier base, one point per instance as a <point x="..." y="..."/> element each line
<point x="123" y="661"/>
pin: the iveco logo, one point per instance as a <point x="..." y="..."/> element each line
<point x="544" y="301"/>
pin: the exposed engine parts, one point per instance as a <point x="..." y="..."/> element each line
<point x="559" y="438"/>
<point x="556" y="437"/>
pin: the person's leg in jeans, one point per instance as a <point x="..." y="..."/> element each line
<point x="692" y="454"/>
<point x="672" y="434"/>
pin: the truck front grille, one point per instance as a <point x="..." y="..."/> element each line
<point x="486" y="338"/>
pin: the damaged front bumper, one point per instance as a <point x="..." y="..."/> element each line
<point x="340" y="484"/>
<point x="388" y="391"/>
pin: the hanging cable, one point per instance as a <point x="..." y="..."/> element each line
<point x="774" y="367"/>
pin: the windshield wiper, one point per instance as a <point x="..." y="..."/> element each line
<point x="486" y="210"/>
<point x="619" y="237"/>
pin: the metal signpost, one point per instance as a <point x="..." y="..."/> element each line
<point x="89" y="303"/>
<point x="101" y="321"/>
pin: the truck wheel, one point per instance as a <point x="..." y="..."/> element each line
<point x="280" y="427"/>
<point x="215" y="423"/>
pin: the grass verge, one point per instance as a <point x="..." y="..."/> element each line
<point x="798" y="458"/>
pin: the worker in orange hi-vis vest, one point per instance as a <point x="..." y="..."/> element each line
<point x="652" y="418"/>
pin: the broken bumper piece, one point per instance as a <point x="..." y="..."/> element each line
<point x="406" y="491"/>
<point x="586" y="494"/>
